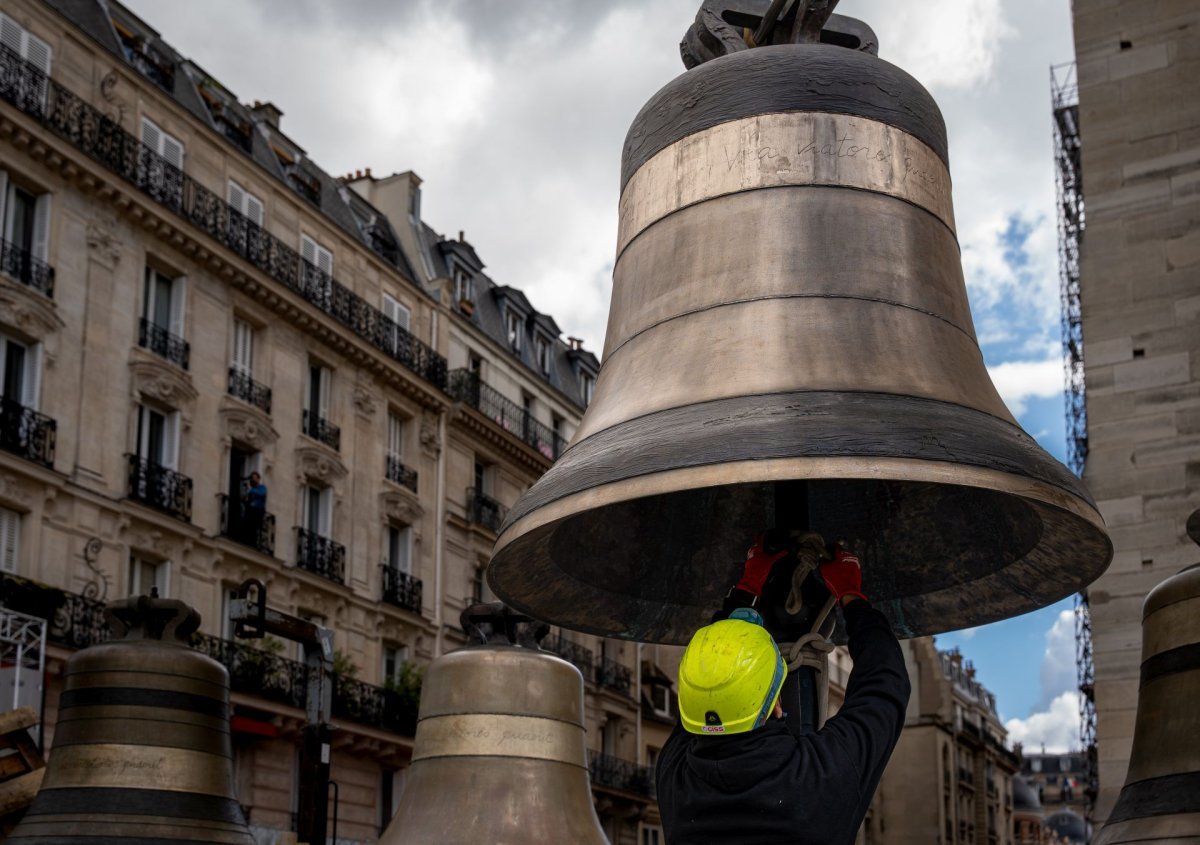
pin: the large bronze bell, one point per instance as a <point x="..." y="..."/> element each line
<point x="499" y="755"/>
<point x="790" y="345"/>
<point x="1160" y="801"/>
<point x="142" y="749"/>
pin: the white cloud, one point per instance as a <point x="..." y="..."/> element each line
<point x="1058" y="672"/>
<point x="968" y="35"/>
<point x="1056" y="728"/>
<point x="1020" y="381"/>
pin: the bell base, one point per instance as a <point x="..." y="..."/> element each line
<point x="639" y="531"/>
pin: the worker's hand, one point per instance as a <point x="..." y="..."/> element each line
<point x="843" y="576"/>
<point x="758" y="566"/>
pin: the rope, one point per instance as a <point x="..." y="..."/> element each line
<point x="811" y="651"/>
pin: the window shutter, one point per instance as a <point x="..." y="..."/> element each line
<point x="237" y="197"/>
<point x="170" y="448"/>
<point x="243" y="347"/>
<point x="151" y="135"/>
<point x="325" y="526"/>
<point x="325" y="260"/>
<point x="162" y="579"/>
<point x="403" y="317"/>
<point x="10" y="527"/>
<point x="178" y="305"/>
<point x="404" y="558"/>
<point x="326" y="385"/>
<point x="32" y="387"/>
<point x="11" y="35"/>
<point x="41" y="228"/>
<point x="172" y="150"/>
<point x="37" y="53"/>
<point x="308" y="250"/>
<point x="254" y="209"/>
<point x="395" y="440"/>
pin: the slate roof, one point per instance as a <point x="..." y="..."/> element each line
<point x="92" y="17"/>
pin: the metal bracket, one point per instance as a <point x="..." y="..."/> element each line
<point x="489" y="621"/>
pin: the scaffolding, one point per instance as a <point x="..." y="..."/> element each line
<point x="1069" y="177"/>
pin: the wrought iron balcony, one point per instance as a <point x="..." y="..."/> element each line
<point x="320" y="555"/>
<point x="304" y="184"/>
<point x="161" y="488"/>
<point x="164" y="344"/>
<point x="19" y="264"/>
<point x="149" y="62"/>
<point x="611" y="674"/>
<point x="378" y="707"/>
<point x="241" y="524"/>
<point x="616" y="773"/>
<point x="582" y="657"/>
<point x="99" y="137"/>
<point x="467" y="387"/>
<point x="25" y="432"/>
<point x="242" y="386"/>
<point x="255" y="670"/>
<point x="319" y="428"/>
<point x="484" y="510"/>
<point x="399" y="473"/>
<point x="74" y="620"/>
<point x="401" y="589"/>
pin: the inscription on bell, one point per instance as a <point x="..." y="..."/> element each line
<point x="479" y="734"/>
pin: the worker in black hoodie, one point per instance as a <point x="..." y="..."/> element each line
<point x="732" y="772"/>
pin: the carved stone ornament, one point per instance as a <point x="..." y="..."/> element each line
<point x="17" y="491"/>
<point x="108" y="86"/>
<point x="400" y="506"/>
<point x="247" y="425"/>
<point x="431" y="442"/>
<point x="314" y="464"/>
<point x="364" y="401"/>
<point x="155" y="379"/>
<point x="30" y="313"/>
<point x="151" y="540"/>
<point x="103" y="245"/>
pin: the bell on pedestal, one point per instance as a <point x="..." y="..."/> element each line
<point x="499" y="754"/>
<point x="1160" y="801"/>
<point x="142" y="749"/>
<point x="790" y="345"/>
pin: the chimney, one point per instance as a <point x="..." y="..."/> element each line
<point x="576" y="343"/>
<point x="460" y="236"/>
<point x="267" y="113"/>
<point x="367" y="172"/>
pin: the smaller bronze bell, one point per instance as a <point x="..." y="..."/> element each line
<point x="142" y="750"/>
<point x="500" y="755"/>
<point x="1160" y="801"/>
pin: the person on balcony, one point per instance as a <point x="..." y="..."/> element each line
<point x="254" y="507"/>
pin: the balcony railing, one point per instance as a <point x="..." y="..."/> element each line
<point x="20" y="264"/>
<point x="241" y="524"/>
<point x="242" y="386"/>
<point x="150" y="64"/>
<point x="164" y="344"/>
<point x="25" y="432"/>
<point x="582" y="657"/>
<point x="401" y="589"/>
<point x="102" y="139"/>
<point x="320" y="555"/>
<point x="159" y="487"/>
<point x="611" y="674"/>
<point x="319" y="428"/>
<point x="484" y="510"/>
<point x="399" y="473"/>
<point x="616" y="773"/>
<point x="467" y="387"/>
<point x="75" y="621"/>
<point x="305" y="185"/>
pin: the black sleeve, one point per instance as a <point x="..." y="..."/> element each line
<point x="868" y="725"/>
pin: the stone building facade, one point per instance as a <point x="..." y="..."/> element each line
<point x="950" y="780"/>
<point x="186" y="299"/>
<point x="1139" y="124"/>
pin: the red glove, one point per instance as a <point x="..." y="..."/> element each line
<point x="843" y="575"/>
<point x="758" y="567"/>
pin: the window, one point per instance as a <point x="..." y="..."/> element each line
<point x="316" y="398"/>
<point x="483" y="478"/>
<point x="652" y="835"/>
<point x="480" y="590"/>
<point x="169" y="147"/>
<point x="512" y="324"/>
<point x="318" y="510"/>
<point x="399" y="548"/>
<point x="164" y="302"/>
<point x="245" y="203"/>
<point x="158" y="436"/>
<point x="394" y="659"/>
<point x="25" y="218"/>
<point x="475" y="364"/>
<point x="395" y="436"/>
<point x="316" y="255"/>
<point x="10" y="534"/>
<point x="21" y="372"/>
<point x="243" y="347"/>
<point x="543" y="355"/>
<point x="401" y="319"/>
<point x="587" y="386"/>
<point x="228" y="595"/>
<point x="464" y="285"/>
<point x="391" y="787"/>
<point x="527" y="404"/>
<point x="146" y="575"/>
<point x="30" y="48"/>
<point x="660" y="699"/>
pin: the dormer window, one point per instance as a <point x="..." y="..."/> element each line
<point x="464" y="286"/>
<point x="512" y="325"/>
<point x="587" y="386"/>
<point x="542" y="347"/>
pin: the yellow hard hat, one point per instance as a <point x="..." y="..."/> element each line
<point x="730" y="677"/>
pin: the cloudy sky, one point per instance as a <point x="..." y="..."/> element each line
<point x="514" y="112"/>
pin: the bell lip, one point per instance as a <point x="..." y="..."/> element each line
<point x="782" y="78"/>
<point x="1184" y="585"/>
